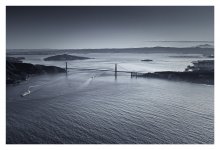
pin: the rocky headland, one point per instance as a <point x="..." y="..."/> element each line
<point x="194" y="77"/>
<point x="19" y="71"/>
<point x="200" y="72"/>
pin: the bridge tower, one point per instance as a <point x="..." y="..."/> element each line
<point x="116" y="70"/>
<point x="66" y="66"/>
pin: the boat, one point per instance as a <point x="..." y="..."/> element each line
<point x="26" y="93"/>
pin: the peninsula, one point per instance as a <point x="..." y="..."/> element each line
<point x="201" y="71"/>
<point x="17" y="71"/>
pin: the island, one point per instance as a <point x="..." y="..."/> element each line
<point x="147" y="60"/>
<point x="19" y="71"/>
<point x="64" y="57"/>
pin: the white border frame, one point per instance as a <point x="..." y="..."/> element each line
<point x="4" y="3"/>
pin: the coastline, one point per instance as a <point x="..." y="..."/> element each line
<point x="194" y="77"/>
<point x="19" y="71"/>
<point x="202" y="72"/>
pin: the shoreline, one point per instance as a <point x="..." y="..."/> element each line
<point x="19" y="71"/>
<point x="193" y="77"/>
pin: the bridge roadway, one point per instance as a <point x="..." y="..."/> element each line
<point x="133" y="73"/>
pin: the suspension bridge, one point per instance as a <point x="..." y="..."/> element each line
<point x="117" y="69"/>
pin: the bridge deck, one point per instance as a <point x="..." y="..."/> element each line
<point x="84" y="69"/>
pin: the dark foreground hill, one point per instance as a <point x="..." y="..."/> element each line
<point x="17" y="71"/>
<point x="194" y="77"/>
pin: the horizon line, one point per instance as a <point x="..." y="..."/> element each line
<point x="98" y="48"/>
<point x="181" y="41"/>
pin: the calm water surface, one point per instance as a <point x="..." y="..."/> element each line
<point x="79" y="109"/>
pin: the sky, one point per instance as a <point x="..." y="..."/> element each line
<point x="79" y="27"/>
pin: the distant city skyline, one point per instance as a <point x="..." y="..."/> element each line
<point x="79" y="27"/>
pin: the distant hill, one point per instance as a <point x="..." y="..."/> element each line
<point x="14" y="59"/>
<point x="205" y="46"/>
<point x="187" y="50"/>
<point x="64" y="57"/>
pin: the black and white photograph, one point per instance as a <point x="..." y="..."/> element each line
<point x="109" y="75"/>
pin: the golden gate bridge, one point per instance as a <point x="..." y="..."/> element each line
<point x="117" y="69"/>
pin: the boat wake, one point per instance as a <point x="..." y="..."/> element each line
<point x="82" y="86"/>
<point x="28" y="92"/>
<point x="86" y="83"/>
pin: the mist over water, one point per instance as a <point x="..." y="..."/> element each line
<point x="91" y="106"/>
